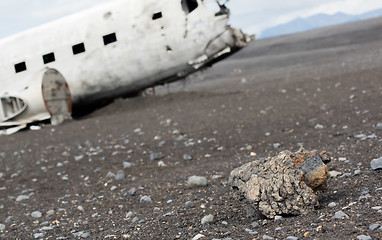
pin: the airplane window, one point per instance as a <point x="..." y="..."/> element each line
<point x="20" y="67"/>
<point x="189" y="5"/>
<point x="110" y="38"/>
<point x="48" y="58"/>
<point x="78" y="48"/>
<point x="157" y="15"/>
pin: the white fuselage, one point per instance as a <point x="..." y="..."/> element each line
<point x="116" y="48"/>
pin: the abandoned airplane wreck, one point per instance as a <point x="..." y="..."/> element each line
<point x="112" y="50"/>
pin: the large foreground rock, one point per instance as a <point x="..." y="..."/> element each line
<point x="283" y="185"/>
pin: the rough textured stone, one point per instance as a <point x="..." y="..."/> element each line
<point x="376" y="164"/>
<point x="197" y="181"/>
<point x="282" y="185"/>
<point x="207" y="219"/>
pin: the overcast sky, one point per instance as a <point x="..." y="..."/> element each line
<point x="251" y="15"/>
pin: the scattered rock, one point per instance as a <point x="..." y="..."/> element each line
<point x="120" y="175"/>
<point x="9" y="219"/>
<point x="110" y="175"/>
<point x="50" y="213"/>
<point x="131" y="192"/>
<point x="291" y="238"/>
<point x="189" y="204"/>
<point x="332" y="205"/>
<point x="36" y="214"/>
<point x="81" y="208"/>
<point x="39" y="235"/>
<point x="376" y="164"/>
<point x="196" y="181"/>
<point x="277" y="218"/>
<point x="22" y="198"/>
<point x="207" y="219"/>
<point x="199" y="236"/>
<point x="374" y="226"/>
<point x="127" y="165"/>
<point x="146" y="199"/>
<point x="266" y="237"/>
<point x="283" y="184"/>
<point x="334" y="173"/>
<point x="379" y="127"/>
<point x="363" y="237"/>
<point x="162" y="164"/>
<point x="340" y="215"/>
<point x="319" y="127"/>
<point x="187" y="157"/>
<point x="82" y="234"/>
<point x="156" y="156"/>
<point x="2" y="227"/>
<point x="129" y="214"/>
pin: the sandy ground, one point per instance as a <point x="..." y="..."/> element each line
<point x="321" y="90"/>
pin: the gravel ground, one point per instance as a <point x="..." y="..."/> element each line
<point x="157" y="167"/>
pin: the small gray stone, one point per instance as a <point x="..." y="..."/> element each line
<point x="9" y="219"/>
<point x="374" y="226"/>
<point x="189" y="204"/>
<point x="187" y="157"/>
<point x="363" y="237"/>
<point x="196" y="181"/>
<point x="379" y="127"/>
<point x="132" y="192"/>
<point x="334" y="173"/>
<point x="277" y="218"/>
<point x="1" y="175"/>
<point x="110" y="175"/>
<point x="376" y="164"/>
<point x="39" y="235"/>
<point x="156" y="156"/>
<point x="120" y="175"/>
<point x="357" y="172"/>
<point x="266" y="237"/>
<point x="129" y="214"/>
<point x="2" y="227"/>
<point x="207" y="219"/>
<point x="255" y="224"/>
<point x="82" y="234"/>
<point x="22" y="198"/>
<point x="127" y="165"/>
<point x="332" y="204"/>
<point x="145" y="199"/>
<point x="340" y="215"/>
<point x="50" y="213"/>
<point x="36" y="214"/>
<point x="46" y="228"/>
<point x="291" y="238"/>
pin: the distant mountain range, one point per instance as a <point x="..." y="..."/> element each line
<point x="316" y="21"/>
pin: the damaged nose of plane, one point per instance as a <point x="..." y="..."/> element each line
<point x="50" y="96"/>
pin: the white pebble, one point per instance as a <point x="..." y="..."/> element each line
<point x="36" y="214"/>
<point x="199" y="236"/>
<point x="332" y="204"/>
<point x="207" y="219"/>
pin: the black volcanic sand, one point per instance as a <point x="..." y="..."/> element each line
<point x="321" y="89"/>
